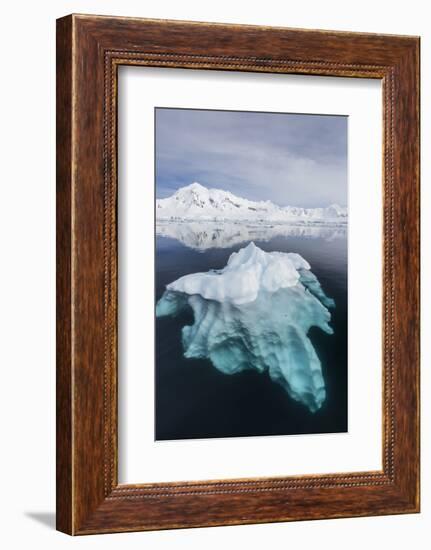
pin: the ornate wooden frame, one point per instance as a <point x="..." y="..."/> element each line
<point x="89" y="51"/>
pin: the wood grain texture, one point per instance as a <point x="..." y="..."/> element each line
<point x="64" y="495"/>
<point x="90" y="49"/>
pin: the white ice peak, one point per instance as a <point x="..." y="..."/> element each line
<point x="247" y="272"/>
<point x="196" y="202"/>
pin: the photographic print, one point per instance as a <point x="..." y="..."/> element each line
<point x="250" y="273"/>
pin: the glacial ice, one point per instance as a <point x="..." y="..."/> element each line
<point x="247" y="272"/>
<point x="256" y="313"/>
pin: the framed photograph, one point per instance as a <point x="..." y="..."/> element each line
<point x="237" y="274"/>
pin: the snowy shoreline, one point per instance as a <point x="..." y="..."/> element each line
<point x="255" y="223"/>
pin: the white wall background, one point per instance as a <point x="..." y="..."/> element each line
<point x="27" y="298"/>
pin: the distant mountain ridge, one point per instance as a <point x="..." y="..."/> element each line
<point x="196" y="202"/>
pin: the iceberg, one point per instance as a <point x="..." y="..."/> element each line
<point x="256" y="313"/>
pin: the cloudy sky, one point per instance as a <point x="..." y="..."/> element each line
<point x="298" y="160"/>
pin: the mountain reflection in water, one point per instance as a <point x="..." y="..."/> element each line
<point x="205" y="235"/>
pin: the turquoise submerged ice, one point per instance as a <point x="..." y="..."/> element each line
<point x="255" y="313"/>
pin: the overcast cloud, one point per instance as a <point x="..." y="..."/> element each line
<point x="298" y="160"/>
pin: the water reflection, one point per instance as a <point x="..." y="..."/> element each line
<point x="203" y="236"/>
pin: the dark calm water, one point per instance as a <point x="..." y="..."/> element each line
<point x="195" y="400"/>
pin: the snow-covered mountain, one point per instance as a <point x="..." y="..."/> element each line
<point x="196" y="202"/>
